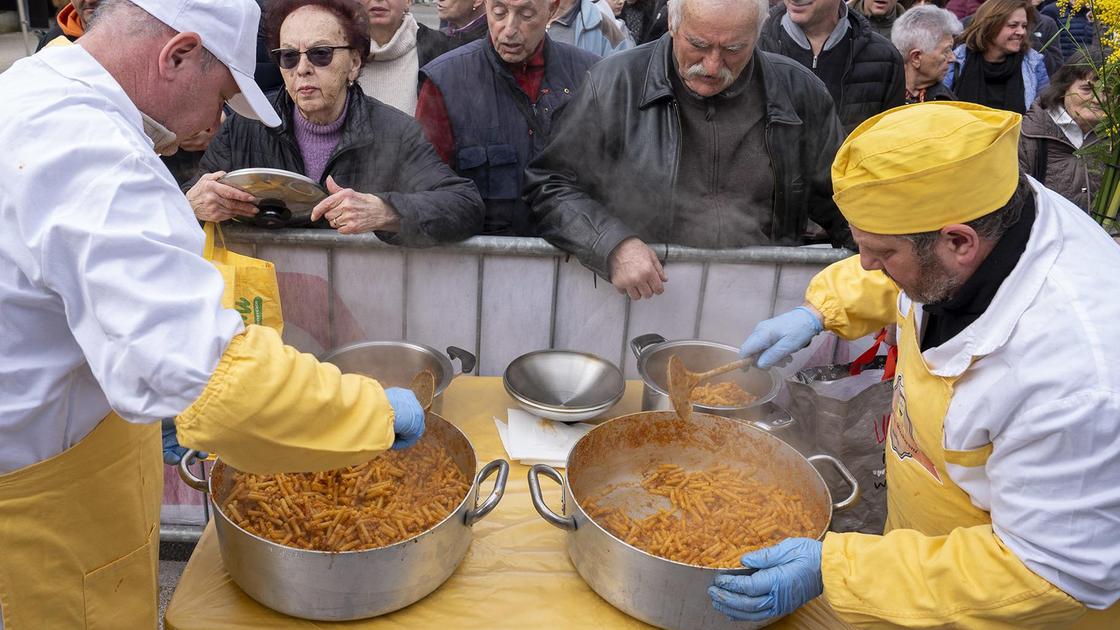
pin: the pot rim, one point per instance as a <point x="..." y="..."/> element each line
<point x="470" y="492"/>
<point x="775" y="376"/>
<point x="724" y="570"/>
<point x="441" y="358"/>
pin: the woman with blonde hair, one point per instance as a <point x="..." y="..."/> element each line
<point x="995" y="66"/>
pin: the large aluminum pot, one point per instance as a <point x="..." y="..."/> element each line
<point x="613" y="456"/>
<point x="653" y="351"/>
<point x="395" y="363"/>
<point x="348" y="585"/>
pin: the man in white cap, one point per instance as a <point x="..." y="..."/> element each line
<point x="110" y="319"/>
<point x="1003" y="455"/>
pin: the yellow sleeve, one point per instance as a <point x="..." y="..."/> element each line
<point x="269" y="408"/>
<point x="967" y="579"/>
<point x="853" y="302"/>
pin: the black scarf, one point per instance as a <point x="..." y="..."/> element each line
<point x="997" y="85"/>
<point x="947" y="319"/>
<point x="637" y="17"/>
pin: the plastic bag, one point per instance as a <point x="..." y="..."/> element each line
<point x="849" y="415"/>
<point x="251" y="287"/>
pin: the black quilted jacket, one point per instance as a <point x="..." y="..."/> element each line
<point x="382" y="151"/>
<point x="873" y="80"/>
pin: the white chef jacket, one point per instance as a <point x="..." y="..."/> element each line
<point x="1040" y="381"/>
<point x="105" y="300"/>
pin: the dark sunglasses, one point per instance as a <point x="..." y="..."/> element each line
<point x="320" y="56"/>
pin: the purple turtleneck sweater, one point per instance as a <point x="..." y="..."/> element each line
<point x="317" y="142"/>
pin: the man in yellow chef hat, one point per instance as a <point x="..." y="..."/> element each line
<point x="1003" y="455"/>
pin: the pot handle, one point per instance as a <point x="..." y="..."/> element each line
<point x="777" y="422"/>
<point x="187" y="476"/>
<point x="467" y="360"/>
<point x="502" y="466"/>
<point x="563" y="522"/>
<point x="846" y="474"/>
<point x="641" y="342"/>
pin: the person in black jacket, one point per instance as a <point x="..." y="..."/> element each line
<point x="862" y="69"/>
<point x="382" y="175"/>
<point x="489" y="107"/>
<point x="266" y="74"/>
<point x="696" y="139"/>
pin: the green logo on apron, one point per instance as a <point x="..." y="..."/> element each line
<point x="256" y="309"/>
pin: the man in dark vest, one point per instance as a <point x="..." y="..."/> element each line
<point x="487" y="107"/>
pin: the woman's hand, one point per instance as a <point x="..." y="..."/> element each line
<point x="212" y="200"/>
<point x="352" y="212"/>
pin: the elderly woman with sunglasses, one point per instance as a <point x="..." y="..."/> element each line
<point x="374" y="161"/>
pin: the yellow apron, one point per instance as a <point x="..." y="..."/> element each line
<point x="79" y="535"/>
<point x="938" y="564"/>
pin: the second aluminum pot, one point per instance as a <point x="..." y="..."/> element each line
<point x="395" y="363"/>
<point x="652" y="352"/>
<point x="615" y="455"/>
<point x="327" y="586"/>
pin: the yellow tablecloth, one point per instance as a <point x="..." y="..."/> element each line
<point x="516" y="575"/>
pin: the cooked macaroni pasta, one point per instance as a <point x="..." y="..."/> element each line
<point x="392" y="498"/>
<point x="716" y="516"/>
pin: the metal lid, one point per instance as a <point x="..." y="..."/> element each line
<point x="284" y="196"/>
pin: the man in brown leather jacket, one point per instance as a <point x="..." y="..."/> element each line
<point x="696" y="139"/>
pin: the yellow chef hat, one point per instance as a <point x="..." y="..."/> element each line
<point x="920" y="167"/>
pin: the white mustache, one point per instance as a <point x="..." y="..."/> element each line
<point x="697" y="70"/>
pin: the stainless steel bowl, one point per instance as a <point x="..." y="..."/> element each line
<point x="564" y="385"/>
<point x="653" y="351"/>
<point x="395" y="363"/>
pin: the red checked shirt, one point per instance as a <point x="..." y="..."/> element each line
<point x="431" y="111"/>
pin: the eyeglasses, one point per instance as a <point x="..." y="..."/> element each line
<point x="320" y="56"/>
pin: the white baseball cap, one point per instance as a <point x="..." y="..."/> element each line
<point x="228" y="29"/>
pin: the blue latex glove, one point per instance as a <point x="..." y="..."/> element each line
<point x="172" y="452"/>
<point x="777" y="338"/>
<point x="788" y="576"/>
<point x="408" y="417"/>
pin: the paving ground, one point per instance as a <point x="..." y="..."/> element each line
<point x="172" y="559"/>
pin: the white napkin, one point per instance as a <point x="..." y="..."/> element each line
<point x="533" y="440"/>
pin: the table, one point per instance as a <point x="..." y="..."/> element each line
<point x="516" y="575"/>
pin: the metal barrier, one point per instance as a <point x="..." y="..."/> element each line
<point x="504" y="296"/>
<point x="474" y="293"/>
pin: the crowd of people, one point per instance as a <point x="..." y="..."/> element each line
<point x="604" y="125"/>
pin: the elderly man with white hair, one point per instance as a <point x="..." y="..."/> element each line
<point x="924" y="35"/>
<point x="696" y="139"/>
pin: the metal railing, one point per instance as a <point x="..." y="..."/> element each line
<point x="537" y="247"/>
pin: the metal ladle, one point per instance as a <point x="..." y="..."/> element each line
<point x="423" y="385"/>
<point x="682" y="382"/>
